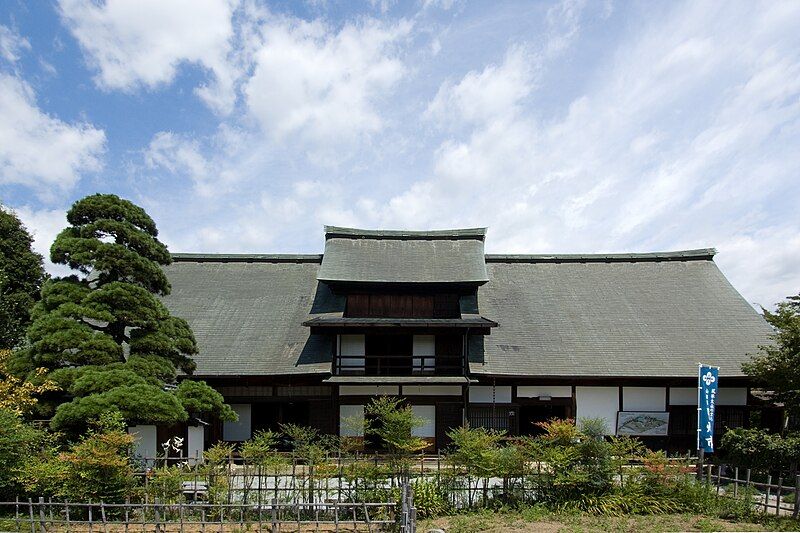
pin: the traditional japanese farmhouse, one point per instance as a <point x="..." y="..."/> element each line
<point x="499" y="341"/>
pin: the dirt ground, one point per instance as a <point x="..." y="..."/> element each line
<point x="499" y="523"/>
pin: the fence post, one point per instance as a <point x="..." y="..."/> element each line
<point x="16" y="514"/>
<point x="42" y="519"/>
<point x="719" y="478"/>
<point x="156" y="515"/>
<point x="90" y="516"/>
<point x="336" y="515"/>
<point x="103" y="516"/>
<point x="66" y="512"/>
<point x="180" y="513"/>
<point x="127" y="512"/>
<point x="796" y="496"/>
<point x="736" y="481"/>
<point x="766" y="499"/>
<point x="30" y="512"/>
<point x="274" y="512"/>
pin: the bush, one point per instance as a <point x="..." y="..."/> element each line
<point x="429" y="499"/>
<point x="19" y="443"/>
<point x="755" y="448"/>
<point x="96" y="468"/>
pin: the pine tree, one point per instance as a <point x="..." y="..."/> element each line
<point x="21" y="277"/>
<point x="104" y="335"/>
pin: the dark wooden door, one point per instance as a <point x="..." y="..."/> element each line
<point x="448" y="416"/>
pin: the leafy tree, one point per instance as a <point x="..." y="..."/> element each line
<point x="777" y="366"/>
<point x="394" y="422"/>
<point x="21" y="277"/>
<point x="17" y="395"/>
<point x="103" y="335"/>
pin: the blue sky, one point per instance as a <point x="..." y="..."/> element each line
<point x="244" y="126"/>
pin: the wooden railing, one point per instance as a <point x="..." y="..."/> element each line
<point x="397" y="365"/>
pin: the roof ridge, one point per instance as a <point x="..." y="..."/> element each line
<point x="445" y="234"/>
<point x="699" y="254"/>
<point x="245" y="258"/>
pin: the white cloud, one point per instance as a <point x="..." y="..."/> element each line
<point x="686" y="138"/>
<point x="44" y="225"/>
<point x="11" y="44"/>
<point x="40" y="151"/>
<point x="320" y="85"/>
<point x="141" y="43"/>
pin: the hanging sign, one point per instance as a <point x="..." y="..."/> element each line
<point x="707" y="387"/>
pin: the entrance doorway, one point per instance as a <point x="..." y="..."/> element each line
<point x="530" y="415"/>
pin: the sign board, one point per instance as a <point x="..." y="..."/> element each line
<point x="643" y="423"/>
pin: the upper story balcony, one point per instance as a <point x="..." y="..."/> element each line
<point x="399" y="355"/>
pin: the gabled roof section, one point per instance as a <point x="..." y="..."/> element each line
<point x="400" y="256"/>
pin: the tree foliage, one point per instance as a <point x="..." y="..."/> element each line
<point x="104" y="335"/>
<point x="19" y="442"/>
<point x="777" y="366"/>
<point x="21" y="277"/>
<point x="17" y="395"/>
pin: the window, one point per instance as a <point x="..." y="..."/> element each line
<point x="499" y="417"/>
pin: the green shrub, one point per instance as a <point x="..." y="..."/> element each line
<point x="20" y="443"/>
<point x="429" y="499"/>
<point x="755" y="448"/>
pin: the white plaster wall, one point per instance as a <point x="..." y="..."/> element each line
<point x="369" y="390"/>
<point x="352" y="345"/>
<point x="644" y="398"/>
<point x="483" y="394"/>
<point x="598" y="402"/>
<point x="683" y="396"/>
<point x="732" y="396"/>
<point x="144" y="443"/>
<point x="424" y="351"/>
<point x="351" y="420"/>
<point x="195" y="442"/>
<point x="428" y="414"/>
<point x="554" y="391"/>
<point x="239" y="430"/>
<point x="725" y="396"/>
<point x="431" y="390"/>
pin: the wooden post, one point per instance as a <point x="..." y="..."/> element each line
<point x="127" y="512"/>
<point x="16" y="514"/>
<point x="274" y="512"/>
<point x="796" y="496"/>
<point x="336" y="515"/>
<point x="202" y="518"/>
<point x="156" y="515"/>
<point x="769" y="488"/>
<point x="90" y="516"/>
<point x="103" y="516"/>
<point x="719" y="477"/>
<point x="180" y="513"/>
<point x="42" y="519"/>
<point x="366" y="518"/>
<point x="66" y="512"/>
<point x="736" y="482"/>
<point x="30" y="512"/>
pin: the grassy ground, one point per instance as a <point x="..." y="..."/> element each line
<point x="535" y="520"/>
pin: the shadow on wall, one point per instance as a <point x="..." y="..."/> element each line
<point x="319" y="348"/>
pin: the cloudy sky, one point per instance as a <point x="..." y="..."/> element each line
<point x="566" y="126"/>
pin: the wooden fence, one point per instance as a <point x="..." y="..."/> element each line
<point x="768" y="496"/>
<point x="46" y="516"/>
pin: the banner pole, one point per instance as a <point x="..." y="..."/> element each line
<point x="700" y="450"/>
